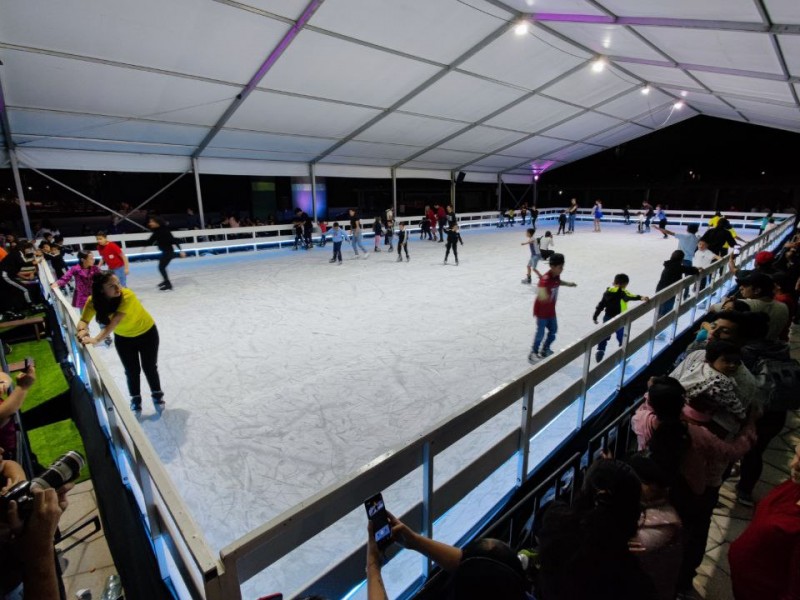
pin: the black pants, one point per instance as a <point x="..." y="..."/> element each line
<point x="400" y="247"/>
<point x="561" y="228"/>
<point x="442" y="223"/>
<point x="454" y="247"/>
<point x="337" y="251"/>
<point x="695" y="511"/>
<point x="138" y="354"/>
<point x="767" y="427"/>
<point x="166" y="258"/>
<point x="13" y="294"/>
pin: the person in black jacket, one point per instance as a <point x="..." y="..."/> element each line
<point x="402" y="243"/>
<point x="717" y="238"/>
<point x="163" y="238"/>
<point x="453" y="238"/>
<point x="674" y="270"/>
<point x="614" y="302"/>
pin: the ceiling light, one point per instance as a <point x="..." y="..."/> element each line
<point x="646" y="90"/>
<point x="684" y="93"/>
<point x="599" y="65"/>
<point x="521" y="28"/>
<point x="678" y="105"/>
<point x="607" y="43"/>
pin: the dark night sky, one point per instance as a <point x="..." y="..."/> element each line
<point x="719" y="150"/>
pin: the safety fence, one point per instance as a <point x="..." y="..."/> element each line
<point x="542" y="407"/>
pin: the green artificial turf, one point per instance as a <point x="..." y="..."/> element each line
<point x="50" y="380"/>
<point x="51" y="441"/>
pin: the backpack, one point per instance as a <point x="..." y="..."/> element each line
<point x="781" y="380"/>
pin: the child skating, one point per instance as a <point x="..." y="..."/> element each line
<point x="337" y="237"/>
<point x="402" y="243"/>
<point x="377" y="229"/>
<point x="614" y="302"/>
<point x="546" y="245"/>
<point x="536" y="254"/>
<point x="544" y="308"/>
<point x="453" y="239"/>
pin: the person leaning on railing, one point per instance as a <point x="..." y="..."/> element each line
<point x="119" y="311"/>
<point x="485" y="568"/>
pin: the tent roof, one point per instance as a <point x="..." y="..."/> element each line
<point x="357" y="87"/>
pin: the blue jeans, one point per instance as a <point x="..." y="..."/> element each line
<point x="601" y="347"/>
<point x="551" y="325"/>
<point x="571" y="219"/>
<point x="356" y="242"/>
<point x="120" y="273"/>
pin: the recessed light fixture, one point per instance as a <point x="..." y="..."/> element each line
<point x="646" y="90"/>
<point x="678" y="105"/>
<point x="599" y="64"/>
<point x="684" y="93"/>
<point x="521" y="28"/>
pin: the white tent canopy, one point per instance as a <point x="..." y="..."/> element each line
<point x="360" y="87"/>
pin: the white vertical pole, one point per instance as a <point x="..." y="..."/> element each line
<point x="313" y="175"/>
<point x="26" y="223"/>
<point x="201" y="214"/>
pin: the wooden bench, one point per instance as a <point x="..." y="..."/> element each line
<point x="37" y="322"/>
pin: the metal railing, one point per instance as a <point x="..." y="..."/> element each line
<point x="205" y="575"/>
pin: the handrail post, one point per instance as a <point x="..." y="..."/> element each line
<point x="587" y="361"/>
<point x="625" y="337"/>
<point x="427" y="502"/>
<point x="525" y="433"/>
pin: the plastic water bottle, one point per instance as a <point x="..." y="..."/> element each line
<point x="112" y="589"/>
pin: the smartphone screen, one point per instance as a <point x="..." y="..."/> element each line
<point x="376" y="512"/>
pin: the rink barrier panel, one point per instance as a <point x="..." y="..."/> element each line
<point x="167" y="519"/>
<point x="207" y="576"/>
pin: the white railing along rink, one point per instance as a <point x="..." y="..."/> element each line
<point x="186" y="557"/>
<point x="195" y="241"/>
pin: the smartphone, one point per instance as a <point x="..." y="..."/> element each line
<point x="28" y="362"/>
<point x="376" y="512"/>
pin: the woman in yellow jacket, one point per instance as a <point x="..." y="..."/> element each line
<point x="118" y="310"/>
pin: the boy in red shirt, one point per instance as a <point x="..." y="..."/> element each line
<point x="544" y="307"/>
<point x="113" y="257"/>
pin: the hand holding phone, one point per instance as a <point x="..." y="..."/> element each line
<point x="376" y="512"/>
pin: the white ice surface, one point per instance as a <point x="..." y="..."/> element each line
<point x="284" y="373"/>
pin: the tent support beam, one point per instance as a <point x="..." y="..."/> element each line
<point x="198" y="190"/>
<point x="394" y="193"/>
<point x="499" y="192"/>
<point x="313" y="175"/>
<point x="85" y="197"/>
<point x="268" y="63"/>
<point x="158" y="193"/>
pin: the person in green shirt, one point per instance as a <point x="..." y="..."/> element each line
<point x="118" y="310"/>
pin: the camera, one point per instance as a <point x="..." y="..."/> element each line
<point x="63" y="470"/>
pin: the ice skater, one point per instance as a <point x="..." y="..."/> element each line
<point x="562" y="223"/>
<point x="544" y="307"/>
<point x="661" y="217"/>
<point x="337" y="237"/>
<point x="597" y="214"/>
<point x="388" y="235"/>
<point x="536" y="254"/>
<point x="113" y="257"/>
<point x="572" y="212"/>
<point x="163" y="238"/>
<point x="546" y="245"/>
<point x="453" y="239"/>
<point x="118" y="310"/>
<point x="674" y="270"/>
<point x="83" y="273"/>
<point x="614" y="302"/>
<point x="402" y="243"/>
<point x="377" y="230"/>
<point x="356" y="233"/>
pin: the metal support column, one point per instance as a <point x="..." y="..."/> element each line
<point x="453" y="190"/>
<point x="499" y="192"/>
<point x="394" y="193"/>
<point x="26" y="223"/>
<point x="200" y="212"/>
<point x="427" y="502"/>
<point x="535" y="190"/>
<point x="313" y="175"/>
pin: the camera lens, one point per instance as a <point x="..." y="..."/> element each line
<point x="63" y="470"/>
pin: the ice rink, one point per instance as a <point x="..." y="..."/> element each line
<point x="283" y="373"/>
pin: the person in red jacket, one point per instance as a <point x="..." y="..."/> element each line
<point x="113" y="258"/>
<point x="765" y="559"/>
